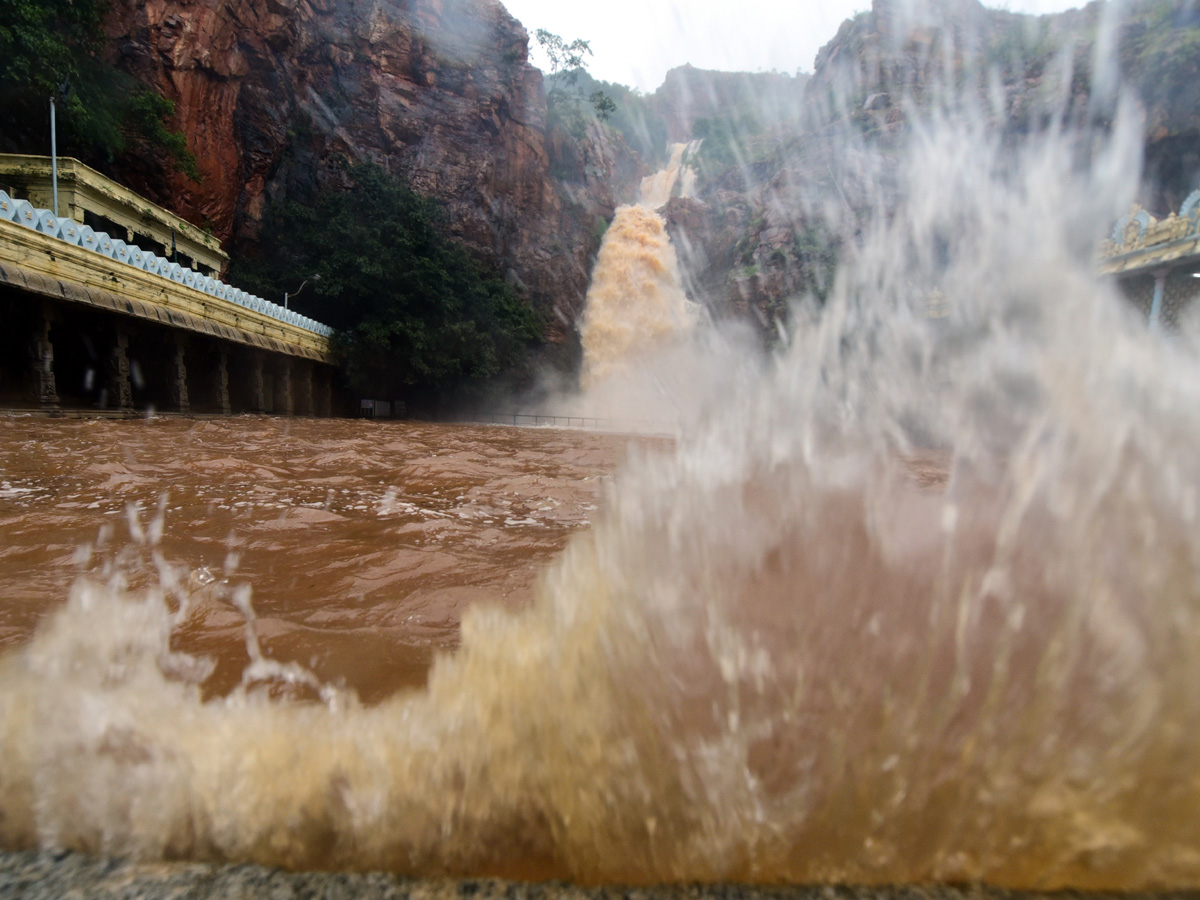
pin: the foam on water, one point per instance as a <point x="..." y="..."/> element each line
<point x="774" y="657"/>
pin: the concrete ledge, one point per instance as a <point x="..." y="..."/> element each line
<point x="52" y="876"/>
<point x="1147" y="259"/>
<point x="44" y="265"/>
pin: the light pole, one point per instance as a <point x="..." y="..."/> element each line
<point x="299" y="289"/>
<point x="53" y="156"/>
<point x="62" y="92"/>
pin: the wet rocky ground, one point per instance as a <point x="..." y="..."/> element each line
<point x="74" y="876"/>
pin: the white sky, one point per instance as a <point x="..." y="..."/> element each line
<point x="635" y="42"/>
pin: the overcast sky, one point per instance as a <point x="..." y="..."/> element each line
<point x="635" y="42"/>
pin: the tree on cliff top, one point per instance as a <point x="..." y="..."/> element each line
<point x="567" y="63"/>
<point x="417" y="316"/>
<point x="52" y="48"/>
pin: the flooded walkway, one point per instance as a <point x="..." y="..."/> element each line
<point x="363" y="542"/>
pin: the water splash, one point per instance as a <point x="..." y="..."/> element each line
<point x="775" y="657"/>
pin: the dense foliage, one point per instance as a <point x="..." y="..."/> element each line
<point x="724" y="140"/>
<point x="51" y="48"/>
<point x="418" y="317"/>
<point x="564" y="98"/>
<point x="621" y="108"/>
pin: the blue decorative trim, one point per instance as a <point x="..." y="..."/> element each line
<point x="67" y="230"/>
<point x="1189" y="205"/>
<point x="1141" y="217"/>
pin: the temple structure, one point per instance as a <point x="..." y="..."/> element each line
<point x="95" y="321"/>
<point x="1157" y="261"/>
<point x="89" y="198"/>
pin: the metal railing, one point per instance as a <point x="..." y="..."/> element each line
<point x="595" y="423"/>
<point x="67" y="229"/>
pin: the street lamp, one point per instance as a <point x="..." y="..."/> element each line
<point x="63" y="89"/>
<point x="299" y="289"/>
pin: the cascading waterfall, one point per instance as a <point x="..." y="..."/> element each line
<point x="635" y="303"/>
<point x="657" y="189"/>
<point x="636" y="307"/>
<point x="775" y="657"/>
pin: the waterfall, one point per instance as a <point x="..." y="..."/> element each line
<point x="657" y="188"/>
<point x="635" y="303"/>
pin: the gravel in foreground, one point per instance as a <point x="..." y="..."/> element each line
<point x="74" y="876"/>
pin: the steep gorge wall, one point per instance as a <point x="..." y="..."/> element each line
<point x="689" y="95"/>
<point x="273" y="95"/>
<point x="764" y="232"/>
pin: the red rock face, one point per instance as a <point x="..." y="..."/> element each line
<point x="273" y="95"/>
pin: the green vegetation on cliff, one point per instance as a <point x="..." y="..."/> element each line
<point x="564" y="99"/>
<point x="51" y="48"/>
<point x="1160" y="51"/>
<point x="725" y="140"/>
<point x="627" y="113"/>
<point x="417" y="316"/>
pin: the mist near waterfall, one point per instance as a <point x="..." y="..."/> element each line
<point x="652" y="357"/>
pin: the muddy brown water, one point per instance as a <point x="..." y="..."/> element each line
<point x="363" y="541"/>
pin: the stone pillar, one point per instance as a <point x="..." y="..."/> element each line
<point x="304" y="388"/>
<point x="41" y="387"/>
<point x="177" y="374"/>
<point x="323" y="399"/>
<point x="221" y="381"/>
<point x="118" y="388"/>
<point x="1160" y="284"/>
<point x="284" y="404"/>
<point x="258" y="394"/>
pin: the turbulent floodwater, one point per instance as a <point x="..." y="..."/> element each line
<point x="774" y="655"/>
<point x="363" y="542"/>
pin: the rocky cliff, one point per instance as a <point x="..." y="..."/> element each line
<point x="771" y="216"/>
<point x="888" y="63"/>
<point x="689" y="96"/>
<point x="274" y="94"/>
